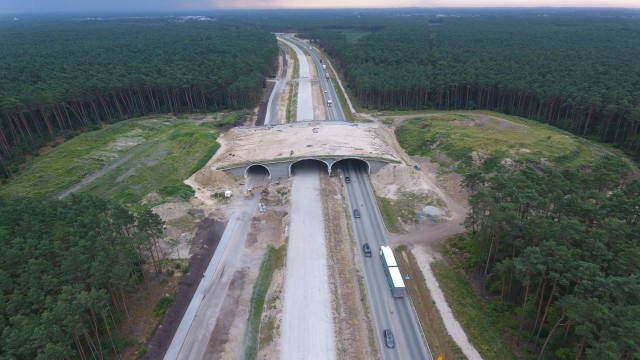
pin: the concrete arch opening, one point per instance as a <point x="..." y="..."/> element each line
<point x="352" y="163"/>
<point x="257" y="170"/>
<point x="308" y="165"/>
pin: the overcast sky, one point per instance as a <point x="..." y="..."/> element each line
<point x="21" y="6"/>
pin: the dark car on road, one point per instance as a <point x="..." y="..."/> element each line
<point x="388" y="339"/>
<point x="356" y="214"/>
<point x="347" y="180"/>
<point x="367" y="249"/>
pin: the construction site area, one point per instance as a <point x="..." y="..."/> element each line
<point x="247" y="145"/>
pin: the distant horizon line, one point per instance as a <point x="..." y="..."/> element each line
<point x="315" y="9"/>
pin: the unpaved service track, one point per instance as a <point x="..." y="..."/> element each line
<point x="307" y="321"/>
<point x="192" y="337"/>
<point x="206" y="241"/>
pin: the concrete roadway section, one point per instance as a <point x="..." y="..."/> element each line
<point x="192" y="336"/>
<point x="305" y="96"/>
<point x="387" y="312"/>
<point x="307" y="317"/>
<point x="307" y="320"/>
<point x="334" y="112"/>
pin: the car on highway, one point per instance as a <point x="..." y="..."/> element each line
<point x="347" y="180"/>
<point x="356" y="214"/>
<point x="366" y="249"/>
<point x="389" y="341"/>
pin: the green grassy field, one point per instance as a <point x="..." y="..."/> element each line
<point x="126" y="160"/>
<point x="495" y="137"/>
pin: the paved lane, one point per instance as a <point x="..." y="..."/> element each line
<point x="305" y="105"/>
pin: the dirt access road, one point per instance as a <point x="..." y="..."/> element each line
<point x="192" y="337"/>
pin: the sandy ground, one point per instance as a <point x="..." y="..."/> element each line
<point x="228" y="337"/>
<point x="214" y="324"/>
<point x="273" y="312"/>
<point x="307" y="320"/>
<point x="192" y="336"/>
<point x="181" y="221"/>
<point x="306" y="139"/>
<point x="395" y="177"/>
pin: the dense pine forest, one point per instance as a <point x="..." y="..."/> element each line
<point x="552" y="247"/>
<point x="561" y="246"/>
<point x="578" y="71"/>
<point x="65" y="269"/>
<point x="60" y="76"/>
<point x="70" y="269"/>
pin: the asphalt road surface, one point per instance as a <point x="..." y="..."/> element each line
<point x="333" y="112"/>
<point x="387" y="312"/>
<point x="305" y="106"/>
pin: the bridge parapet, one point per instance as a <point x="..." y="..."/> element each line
<point x="283" y="168"/>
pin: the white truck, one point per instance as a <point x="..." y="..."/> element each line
<point x="329" y="103"/>
<point x="391" y="270"/>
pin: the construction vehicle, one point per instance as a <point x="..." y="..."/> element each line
<point x="249" y="192"/>
<point x="264" y="194"/>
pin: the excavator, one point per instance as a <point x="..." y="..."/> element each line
<point x="264" y="194"/>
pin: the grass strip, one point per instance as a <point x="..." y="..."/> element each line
<point x="480" y="318"/>
<point x="291" y="100"/>
<point x="440" y="343"/>
<point x="208" y="154"/>
<point x="388" y="214"/>
<point x="273" y="260"/>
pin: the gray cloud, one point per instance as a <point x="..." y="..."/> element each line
<point x="47" y="6"/>
<point x="17" y="6"/>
